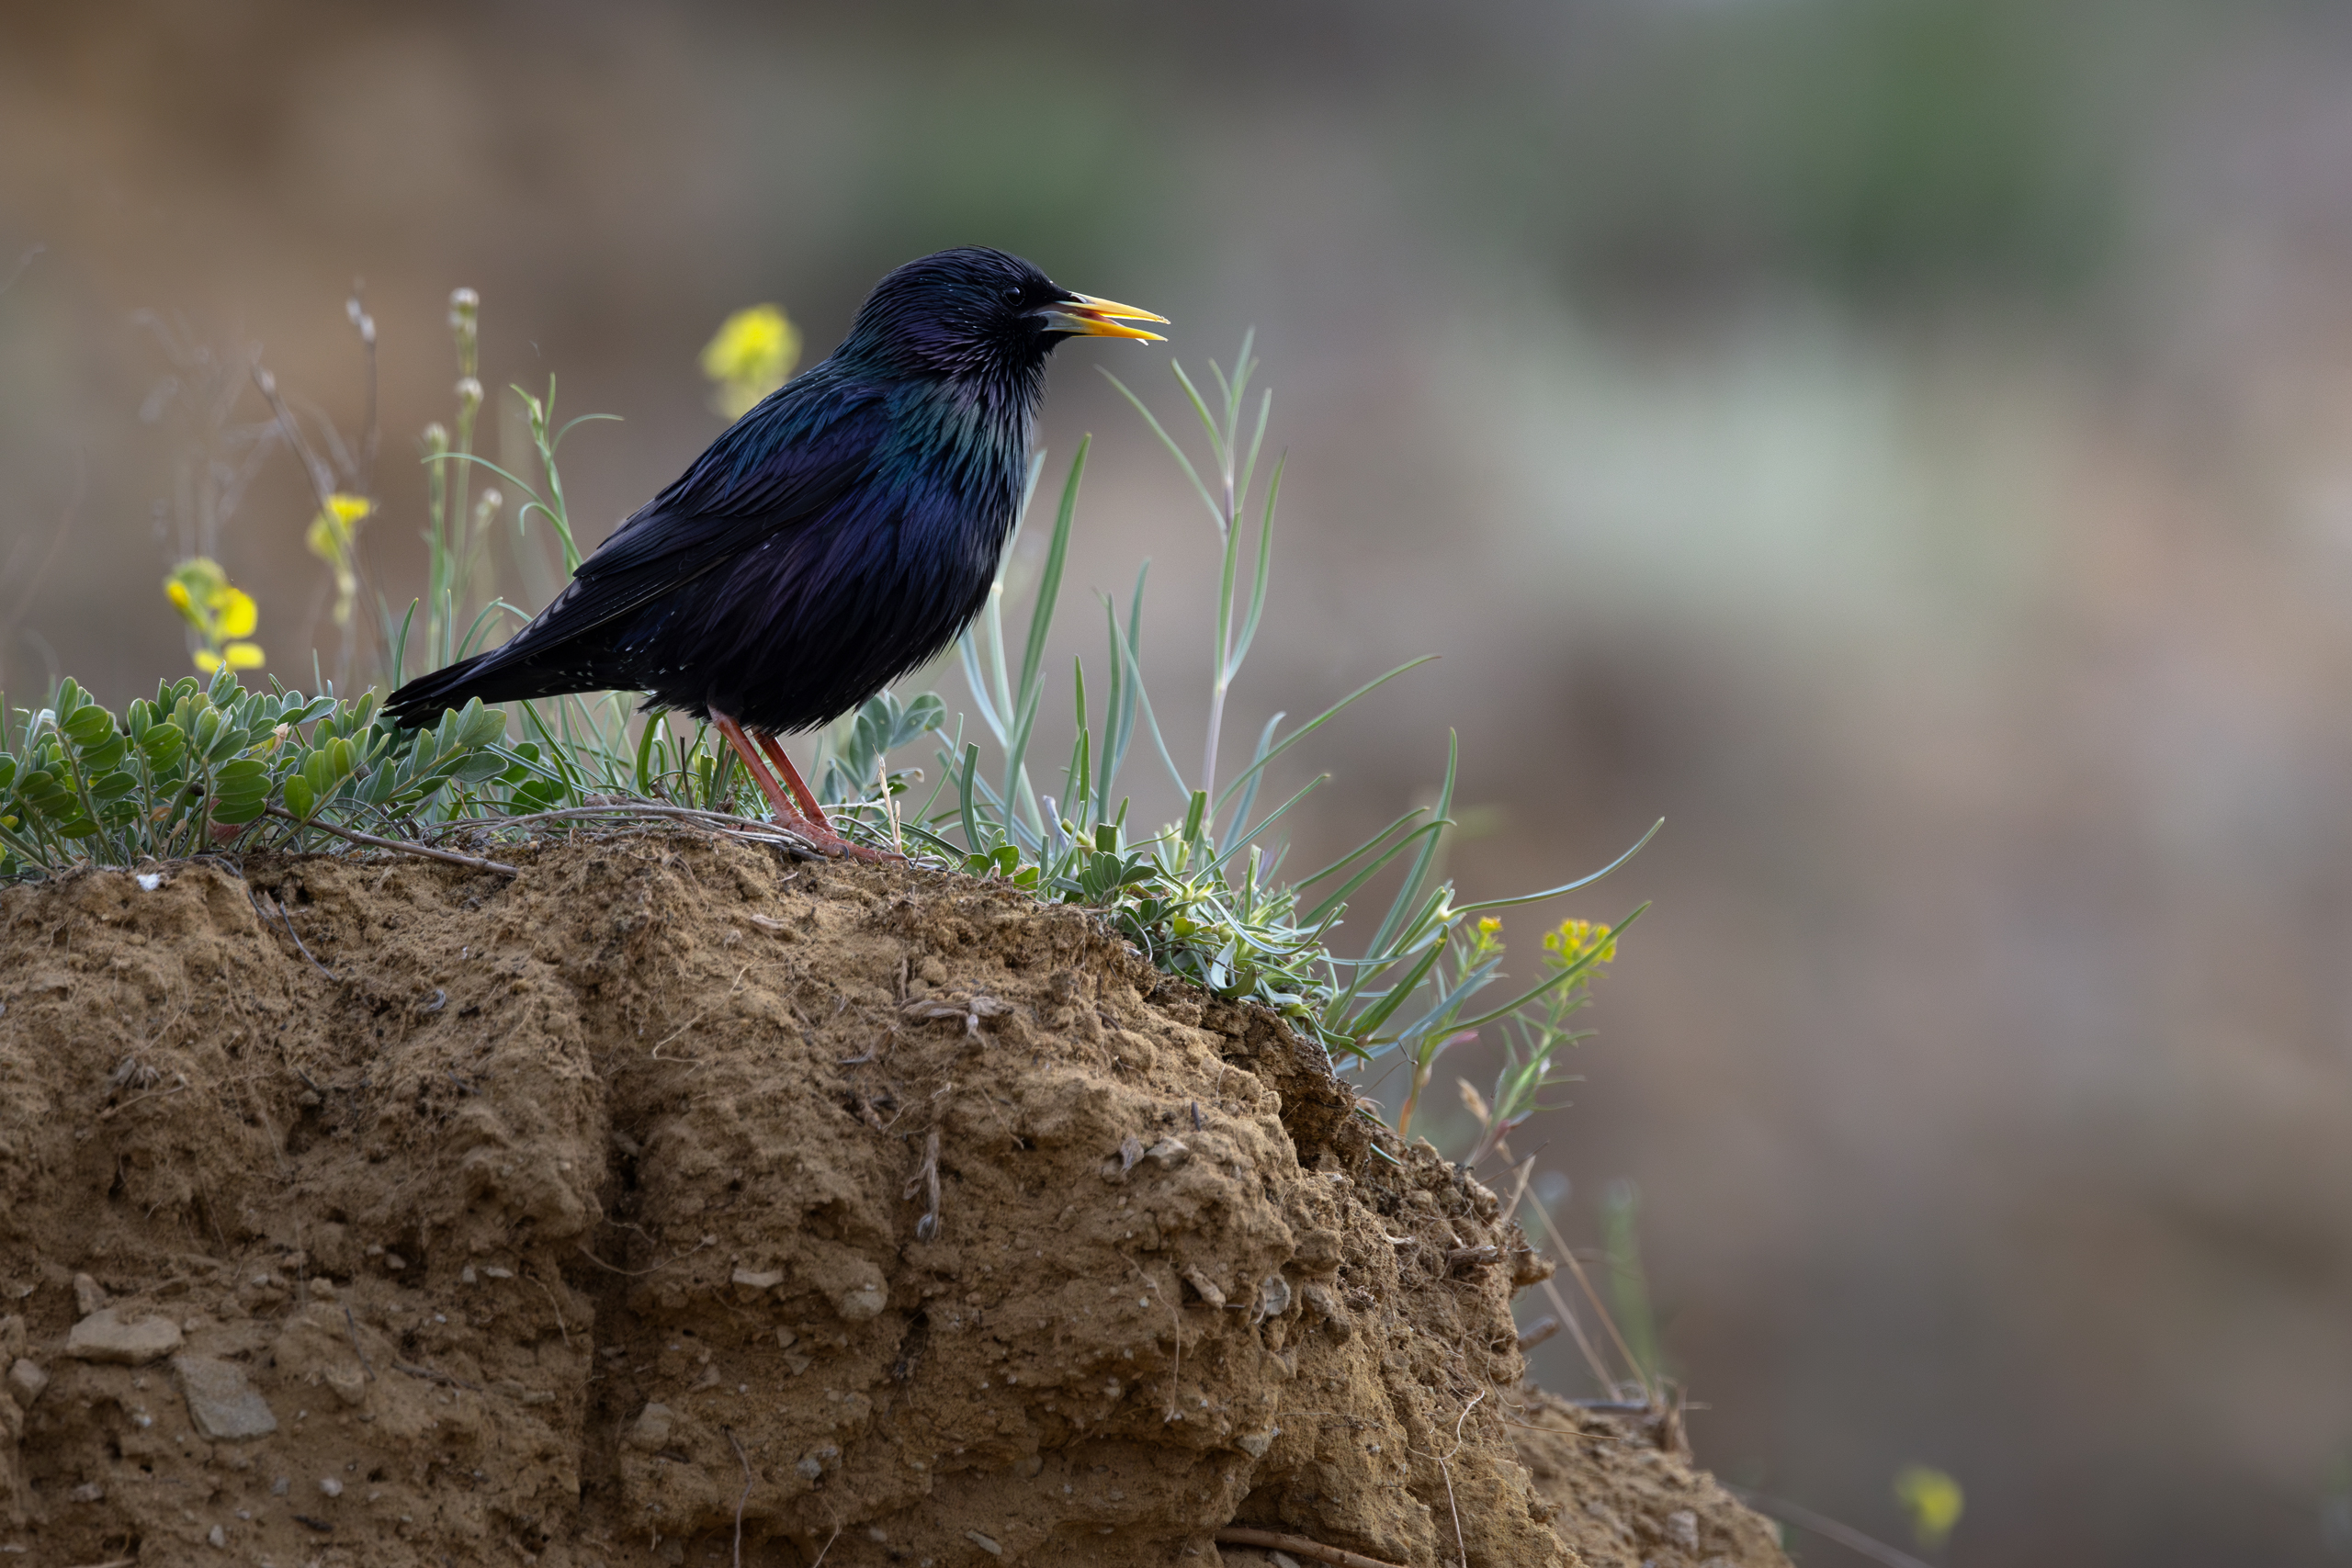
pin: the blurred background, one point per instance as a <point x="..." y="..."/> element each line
<point x="1905" y="444"/>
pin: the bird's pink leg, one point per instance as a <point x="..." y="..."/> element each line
<point x="791" y="776"/>
<point x="807" y="798"/>
<point x="818" y="832"/>
<point x="752" y="764"/>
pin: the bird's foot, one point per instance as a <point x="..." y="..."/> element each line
<point x="833" y="846"/>
<point x="820" y="837"/>
<point x="805" y="820"/>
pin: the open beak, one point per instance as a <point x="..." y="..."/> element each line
<point x="1082" y="315"/>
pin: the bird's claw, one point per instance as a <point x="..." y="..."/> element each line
<point x="841" y="849"/>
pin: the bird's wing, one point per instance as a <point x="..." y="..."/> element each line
<point x="781" y="466"/>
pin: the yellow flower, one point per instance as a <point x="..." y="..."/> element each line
<point x="222" y="616"/>
<point x="752" y="355"/>
<point x="1572" y="939"/>
<point x="1486" y="940"/>
<point x="234" y="614"/>
<point x="1934" y="1501"/>
<point x="333" y="537"/>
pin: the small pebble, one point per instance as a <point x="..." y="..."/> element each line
<point x="219" y="1538"/>
<point x="331" y="1486"/>
<point x="277" y="1487"/>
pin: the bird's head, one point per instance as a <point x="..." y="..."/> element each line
<point x="974" y="312"/>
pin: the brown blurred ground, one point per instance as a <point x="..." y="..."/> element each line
<point x="1899" y="444"/>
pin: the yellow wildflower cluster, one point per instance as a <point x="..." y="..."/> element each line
<point x="1486" y="941"/>
<point x="1934" y="1501"/>
<point x="223" y="616"/>
<point x="334" y="539"/>
<point x="751" y="355"/>
<point x="1570" y="940"/>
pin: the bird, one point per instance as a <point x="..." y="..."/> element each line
<point x="841" y="534"/>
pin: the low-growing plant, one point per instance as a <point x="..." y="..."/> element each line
<point x="1207" y="898"/>
<point x="171" y="775"/>
<point x="1536" y="1036"/>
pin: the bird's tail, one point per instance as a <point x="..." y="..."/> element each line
<point x="422" y="700"/>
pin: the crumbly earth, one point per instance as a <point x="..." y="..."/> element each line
<point x="675" y="1202"/>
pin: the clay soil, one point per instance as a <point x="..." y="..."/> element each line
<point x="673" y="1202"/>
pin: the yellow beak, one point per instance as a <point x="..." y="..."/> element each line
<point x="1083" y="315"/>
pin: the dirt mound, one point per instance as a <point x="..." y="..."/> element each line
<point x="377" y="1212"/>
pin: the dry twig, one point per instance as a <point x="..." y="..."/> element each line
<point x="924" y="1183"/>
<point x="112" y="1110"/>
<point x="1822" y="1525"/>
<point x="287" y="920"/>
<point x="1590" y="1294"/>
<point x="1446" y="1470"/>
<point x="429" y="1375"/>
<point x="640" y="1273"/>
<point x="746" y="1497"/>
<point x="1298" y="1546"/>
<point x="353" y="1324"/>
<point x="750" y="830"/>
<point x="373" y="842"/>
<point x="560" y="1328"/>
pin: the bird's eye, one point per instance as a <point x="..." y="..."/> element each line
<point x="1013" y="294"/>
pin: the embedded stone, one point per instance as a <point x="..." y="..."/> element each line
<point x="27" y="1380"/>
<point x="105" y="1337"/>
<point x="652" y="1428"/>
<point x="220" y="1400"/>
<point x="349" y="1384"/>
<point x="1208" y="1287"/>
<point x="1682" y="1529"/>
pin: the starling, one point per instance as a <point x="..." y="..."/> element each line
<point x="841" y="534"/>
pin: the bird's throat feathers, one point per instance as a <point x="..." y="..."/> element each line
<point x="984" y="419"/>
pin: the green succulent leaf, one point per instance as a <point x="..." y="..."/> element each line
<point x="87" y="726"/>
<point x="162" y="743"/>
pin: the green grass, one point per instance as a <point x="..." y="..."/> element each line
<point x="208" y="767"/>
